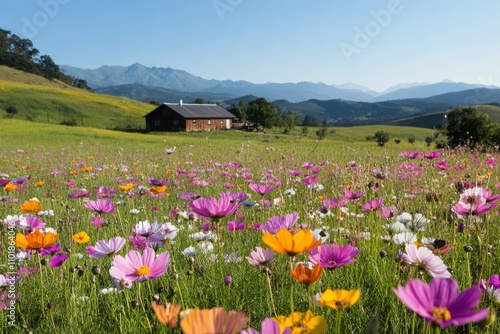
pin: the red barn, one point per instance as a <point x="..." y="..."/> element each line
<point x="188" y="117"/>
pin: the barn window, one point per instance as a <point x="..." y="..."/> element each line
<point x="209" y="122"/>
<point x="194" y="121"/>
<point x="157" y="122"/>
<point x="176" y="122"/>
<point x="221" y="122"/>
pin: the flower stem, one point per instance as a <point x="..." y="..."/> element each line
<point x="268" y="278"/>
<point x="41" y="283"/>
<point x="338" y="321"/>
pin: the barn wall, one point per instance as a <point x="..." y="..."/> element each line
<point x="206" y="124"/>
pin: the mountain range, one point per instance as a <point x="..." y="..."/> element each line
<point x="149" y="81"/>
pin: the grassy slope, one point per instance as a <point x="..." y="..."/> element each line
<point x="41" y="100"/>
<point x="431" y="120"/>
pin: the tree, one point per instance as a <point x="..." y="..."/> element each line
<point x="467" y="126"/>
<point x="262" y="113"/>
<point x="240" y="111"/>
<point x="381" y="137"/>
<point x="321" y="132"/>
<point x="429" y="140"/>
<point x="290" y="120"/>
<point x="310" y="120"/>
<point x="199" y="100"/>
<point x="49" y="68"/>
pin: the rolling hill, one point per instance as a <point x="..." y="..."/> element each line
<point x="30" y="97"/>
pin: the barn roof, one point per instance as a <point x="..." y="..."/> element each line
<point x="188" y="110"/>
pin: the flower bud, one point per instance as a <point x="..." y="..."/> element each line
<point x="96" y="270"/>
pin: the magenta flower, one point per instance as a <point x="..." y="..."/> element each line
<point x="98" y="221"/>
<point x="310" y="180"/>
<point x="235" y="225"/>
<point x="373" y="205"/>
<point x="440" y="303"/>
<point x="212" y="208"/>
<point x="56" y="248"/>
<point x="475" y="201"/>
<point x="58" y="260"/>
<point x="30" y="223"/>
<point x="261" y="257"/>
<point x="101" y="206"/>
<point x="333" y="256"/>
<point x="261" y="189"/>
<point x="137" y="268"/>
<point x="274" y="224"/>
<point x="335" y="203"/>
<point x="353" y="196"/>
<point x="105" y="248"/>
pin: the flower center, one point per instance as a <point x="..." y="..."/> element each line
<point x="441" y="313"/>
<point x="331" y="262"/>
<point x="143" y="270"/>
<point x="341" y="304"/>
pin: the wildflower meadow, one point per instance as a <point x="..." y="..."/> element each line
<point x="194" y="234"/>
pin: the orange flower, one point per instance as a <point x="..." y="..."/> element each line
<point x="81" y="237"/>
<point x="87" y="169"/>
<point x="31" y="206"/>
<point x="305" y="275"/>
<point x="285" y="242"/>
<point x="127" y="187"/>
<point x="214" y="320"/>
<point x="36" y="240"/>
<point x="9" y="187"/>
<point x="167" y="314"/>
<point x="39" y="184"/>
<point x="158" y="190"/>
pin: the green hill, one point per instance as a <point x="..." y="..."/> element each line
<point x="436" y="119"/>
<point x="34" y="98"/>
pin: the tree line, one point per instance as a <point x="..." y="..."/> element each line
<point x="19" y="53"/>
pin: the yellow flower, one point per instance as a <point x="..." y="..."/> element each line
<point x="127" y="187"/>
<point x="36" y="240"/>
<point x="339" y="299"/>
<point x="87" y="169"/>
<point x="302" y="323"/>
<point x="31" y="206"/>
<point x="285" y="242"/>
<point x="158" y="190"/>
<point x="81" y="237"/>
<point x="39" y="184"/>
<point x="9" y="187"/>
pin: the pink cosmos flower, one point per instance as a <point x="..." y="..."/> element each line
<point x="373" y="205"/>
<point x="475" y="201"/>
<point x="353" y="196"/>
<point x="101" y="206"/>
<point x="440" y="303"/>
<point x="335" y="203"/>
<point x="269" y="326"/>
<point x="104" y="248"/>
<point x="235" y="225"/>
<point x="261" y="257"/>
<point x="137" y="268"/>
<point x="213" y="208"/>
<point x="170" y="150"/>
<point x="261" y="189"/>
<point x="333" y="256"/>
<point x="425" y="258"/>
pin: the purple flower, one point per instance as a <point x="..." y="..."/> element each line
<point x="105" y="248"/>
<point x="261" y="189"/>
<point x="213" y="208"/>
<point x="31" y="223"/>
<point x="335" y="203"/>
<point x="276" y="223"/>
<point x="495" y="281"/>
<point x="333" y="256"/>
<point x="228" y="279"/>
<point x="440" y="303"/>
<point x="136" y="267"/>
<point x="58" y="260"/>
<point x="98" y="221"/>
<point x="56" y="248"/>
<point x="310" y="180"/>
<point x="237" y="197"/>
<point x="155" y="182"/>
<point x="188" y="196"/>
<point x="269" y="326"/>
<point x="79" y="193"/>
<point x="101" y="206"/>
<point x="353" y="196"/>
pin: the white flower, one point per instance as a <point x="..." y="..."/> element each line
<point x="404" y="238"/>
<point x="425" y="258"/>
<point x="46" y="213"/>
<point x="134" y="211"/>
<point x="190" y="251"/>
<point x="320" y="233"/>
<point x="206" y="246"/>
<point x="396" y="227"/>
<point x="108" y="290"/>
<point x="199" y="236"/>
<point x="78" y="255"/>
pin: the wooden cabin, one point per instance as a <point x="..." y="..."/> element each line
<point x="188" y="117"/>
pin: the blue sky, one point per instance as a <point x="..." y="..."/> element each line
<point x="376" y="44"/>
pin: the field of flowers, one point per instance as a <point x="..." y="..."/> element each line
<point x="251" y="237"/>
